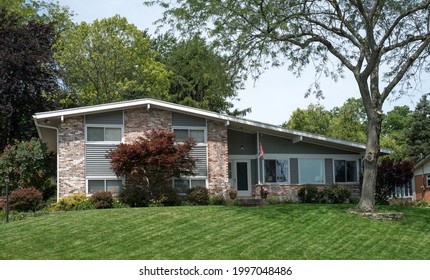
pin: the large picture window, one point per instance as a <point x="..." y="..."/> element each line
<point x="104" y="134"/>
<point x="345" y="171"/>
<point x="311" y="171"/>
<point x="275" y="171"/>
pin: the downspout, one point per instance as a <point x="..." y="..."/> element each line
<point x="58" y="157"/>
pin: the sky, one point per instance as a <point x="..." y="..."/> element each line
<point x="274" y="96"/>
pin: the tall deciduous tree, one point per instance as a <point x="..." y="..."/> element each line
<point x="28" y="74"/>
<point x="314" y="119"/>
<point x="110" y="60"/>
<point x="200" y="77"/>
<point x="384" y="44"/>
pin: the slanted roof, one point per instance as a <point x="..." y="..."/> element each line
<point x="422" y="162"/>
<point x="46" y="121"/>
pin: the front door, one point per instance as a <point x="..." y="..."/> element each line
<point x="242" y="178"/>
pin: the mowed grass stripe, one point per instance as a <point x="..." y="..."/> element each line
<point x="212" y="232"/>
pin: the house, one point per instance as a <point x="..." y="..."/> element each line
<point x="421" y="180"/>
<point x="243" y="153"/>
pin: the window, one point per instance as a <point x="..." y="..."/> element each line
<point x="428" y="181"/>
<point x="311" y="171"/>
<point x="275" y="171"/>
<point x="183" y="134"/>
<point x="345" y="171"/>
<point x="182" y="185"/>
<point x="113" y="186"/>
<point x="104" y="134"/>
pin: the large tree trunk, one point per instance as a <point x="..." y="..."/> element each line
<point x="370" y="167"/>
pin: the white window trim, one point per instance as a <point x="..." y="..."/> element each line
<point x="104" y="126"/>
<point x="277" y="157"/>
<point x="100" y="178"/>
<point x="357" y="170"/>
<point x="322" y="167"/>
<point x="205" y="132"/>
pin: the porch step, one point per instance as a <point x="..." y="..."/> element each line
<point x="252" y="202"/>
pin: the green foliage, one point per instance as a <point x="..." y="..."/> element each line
<point x="273" y="199"/>
<point x="102" y="200"/>
<point x="336" y="194"/>
<point x="152" y="161"/>
<point x="216" y="200"/>
<point x="309" y="194"/>
<point x="418" y="134"/>
<point x="167" y="196"/>
<point x="198" y="195"/>
<point x="110" y="60"/>
<point x="134" y="196"/>
<point x="25" y="200"/>
<point x="13" y="216"/>
<point x="117" y="203"/>
<point x="314" y="119"/>
<point x="28" y="164"/>
<point x="201" y="77"/>
<point x="73" y="202"/>
<point x="422" y="203"/>
<point x="395" y="127"/>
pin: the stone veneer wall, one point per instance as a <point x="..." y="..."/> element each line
<point x="139" y="120"/>
<point x="71" y="152"/>
<point x="217" y="156"/>
<point x="290" y="192"/>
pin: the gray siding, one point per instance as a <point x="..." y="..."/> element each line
<point x="96" y="162"/>
<point x="329" y="171"/>
<point x="238" y="138"/>
<point x="179" y="119"/>
<point x="199" y="153"/>
<point x="278" y="145"/>
<point x="113" y="118"/>
<point x="294" y="170"/>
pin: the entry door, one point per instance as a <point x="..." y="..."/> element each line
<point x="242" y="176"/>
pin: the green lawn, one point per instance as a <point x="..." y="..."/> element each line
<point x="293" y="231"/>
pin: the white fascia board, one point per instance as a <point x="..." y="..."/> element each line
<point x="197" y="112"/>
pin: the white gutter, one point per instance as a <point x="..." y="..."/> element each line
<point x="58" y="157"/>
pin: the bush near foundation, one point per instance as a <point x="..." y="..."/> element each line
<point x="336" y="194"/>
<point x="309" y="194"/>
<point x="25" y="200"/>
<point x="73" y="202"/>
<point x="198" y="195"/>
<point x="102" y="200"/>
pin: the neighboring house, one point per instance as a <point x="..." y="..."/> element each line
<point x="230" y="150"/>
<point x="421" y="181"/>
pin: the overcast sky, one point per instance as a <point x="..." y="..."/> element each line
<point x="274" y="96"/>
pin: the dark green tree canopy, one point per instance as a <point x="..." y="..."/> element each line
<point x="418" y="134"/>
<point x="199" y="76"/>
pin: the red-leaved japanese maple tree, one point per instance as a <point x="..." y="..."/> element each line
<point x="153" y="160"/>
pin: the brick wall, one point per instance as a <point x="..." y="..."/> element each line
<point x="71" y="151"/>
<point x="139" y="120"/>
<point x="421" y="193"/>
<point x="217" y="156"/>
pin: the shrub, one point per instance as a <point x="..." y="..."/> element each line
<point x="73" y="202"/>
<point x="28" y="164"/>
<point x="134" y="196"/>
<point x="25" y="200"/>
<point x="198" y="195"/>
<point x="216" y="200"/>
<point x="422" y="203"/>
<point x="167" y="196"/>
<point x="274" y="200"/>
<point x="102" y="200"/>
<point x="13" y="216"/>
<point x="117" y="203"/>
<point x="309" y="194"/>
<point x="336" y="194"/>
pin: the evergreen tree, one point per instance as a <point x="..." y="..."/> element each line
<point x="418" y="135"/>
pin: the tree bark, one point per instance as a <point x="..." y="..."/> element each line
<point x="370" y="163"/>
